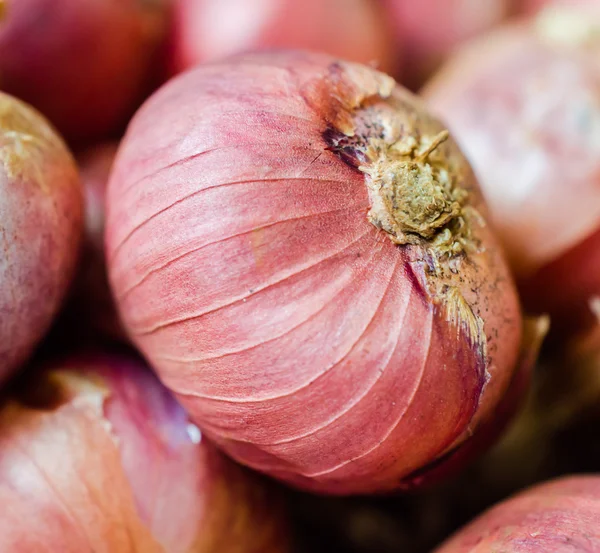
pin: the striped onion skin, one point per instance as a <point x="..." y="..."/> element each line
<point x="562" y="516"/>
<point x="300" y="338"/>
<point x="100" y="454"/>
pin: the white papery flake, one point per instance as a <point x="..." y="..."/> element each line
<point x="194" y="433"/>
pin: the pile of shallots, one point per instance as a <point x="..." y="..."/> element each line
<point x="258" y="297"/>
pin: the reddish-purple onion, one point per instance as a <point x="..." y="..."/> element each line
<point x="97" y="455"/>
<point x="522" y="103"/>
<point x="249" y="268"/>
<point x="40" y="228"/>
<point x="83" y="64"/>
<point x="534" y="6"/>
<point x="562" y="516"/>
<point x="205" y="30"/>
<point x="429" y="30"/>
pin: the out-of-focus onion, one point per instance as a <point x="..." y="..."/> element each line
<point x="83" y="64"/>
<point x="209" y="29"/>
<point x="40" y="226"/>
<point x="534" y="6"/>
<point x="429" y="30"/>
<point x="561" y="516"/>
<point x="523" y="103"/>
<point x="97" y="455"/>
<point x="248" y="256"/>
<point x="91" y="307"/>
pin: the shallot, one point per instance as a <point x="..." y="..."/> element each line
<point x="41" y="212"/>
<point x="83" y="64"/>
<point x="301" y="252"/>
<point x="98" y="456"/>
<point x="562" y="516"/>
<point x="429" y="30"/>
<point x="205" y="30"/>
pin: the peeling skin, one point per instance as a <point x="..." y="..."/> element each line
<point x="460" y="313"/>
<point x="417" y="196"/>
<point x="86" y="391"/>
<point x="111" y="414"/>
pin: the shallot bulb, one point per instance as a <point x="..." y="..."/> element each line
<point x="41" y="212"/>
<point x="301" y="252"/>
<point x="523" y="103"/>
<point x="533" y="6"/>
<point x="562" y="516"/>
<point x="91" y="307"/>
<point x="98" y="456"/>
<point x="429" y="30"/>
<point x="210" y="29"/>
<point x="83" y="64"/>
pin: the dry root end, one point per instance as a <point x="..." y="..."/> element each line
<point x="414" y="190"/>
<point x="414" y="197"/>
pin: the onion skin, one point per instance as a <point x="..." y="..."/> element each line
<point x="508" y="411"/>
<point x="206" y="30"/>
<point x="101" y="423"/>
<point x="41" y="212"/>
<point x="250" y="275"/>
<point x="91" y="308"/>
<point x="534" y="6"/>
<point x="56" y="57"/>
<point x="431" y="29"/>
<point x="561" y="516"/>
<point x="533" y="141"/>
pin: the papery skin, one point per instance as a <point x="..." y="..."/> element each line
<point x="56" y="55"/>
<point x="429" y="30"/>
<point x="506" y="413"/>
<point x="98" y="456"/>
<point x="205" y="30"/>
<point x="562" y="516"/>
<point x="534" y="142"/>
<point x="296" y="334"/>
<point x="41" y="212"/>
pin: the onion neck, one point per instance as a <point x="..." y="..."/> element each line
<point x="417" y="198"/>
<point x="415" y="194"/>
<point x="413" y="197"/>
